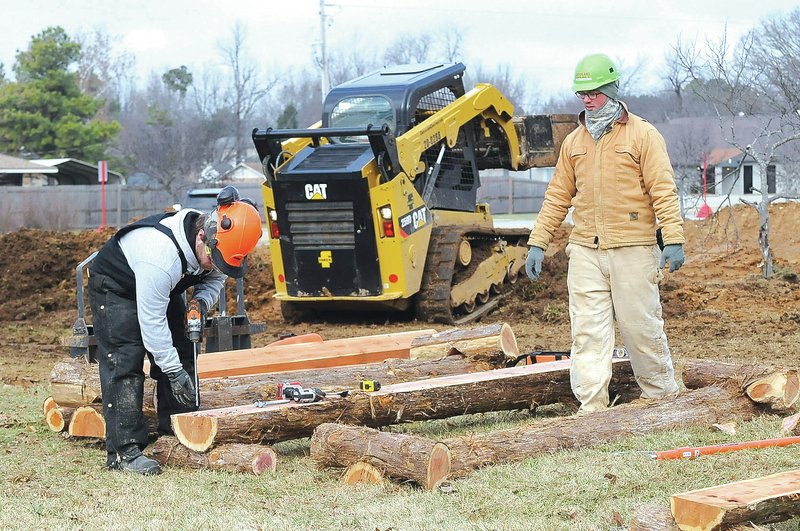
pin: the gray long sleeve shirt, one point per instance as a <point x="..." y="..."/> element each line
<point x="157" y="266"/>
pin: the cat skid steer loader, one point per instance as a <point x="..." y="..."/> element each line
<point x="375" y="206"/>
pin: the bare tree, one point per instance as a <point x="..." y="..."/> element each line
<point x="102" y="72"/>
<point x="502" y="77"/>
<point x="740" y="82"/>
<point x="247" y="89"/>
<point x="408" y="48"/>
<point x="676" y="77"/>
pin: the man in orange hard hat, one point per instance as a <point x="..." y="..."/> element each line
<point x="614" y="172"/>
<point x="136" y="287"/>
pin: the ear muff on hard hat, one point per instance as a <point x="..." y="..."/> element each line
<point x="594" y="71"/>
<point x="232" y="232"/>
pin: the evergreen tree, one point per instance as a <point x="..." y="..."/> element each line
<point x="43" y="113"/>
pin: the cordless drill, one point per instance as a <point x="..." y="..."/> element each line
<point x="194" y="328"/>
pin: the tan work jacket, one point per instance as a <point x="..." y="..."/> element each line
<point x="618" y="186"/>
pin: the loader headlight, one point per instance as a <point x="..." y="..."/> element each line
<point x="386" y="212"/>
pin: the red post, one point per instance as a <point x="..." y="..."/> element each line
<point x="705" y="210"/>
<point x="102" y="176"/>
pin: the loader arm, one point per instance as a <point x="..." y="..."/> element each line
<point x="484" y="101"/>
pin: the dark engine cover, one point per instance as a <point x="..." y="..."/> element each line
<point x="326" y="224"/>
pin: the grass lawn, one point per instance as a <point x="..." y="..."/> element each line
<point x="49" y="482"/>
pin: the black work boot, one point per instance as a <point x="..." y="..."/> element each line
<point x="133" y="460"/>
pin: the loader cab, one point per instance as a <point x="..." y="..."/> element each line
<point x="403" y="97"/>
<point x="400" y="96"/>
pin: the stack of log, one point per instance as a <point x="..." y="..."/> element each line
<point x="426" y="375"/>
<point x="229" y="379"/>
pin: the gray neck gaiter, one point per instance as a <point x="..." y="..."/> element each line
<point x="598" y="122"/>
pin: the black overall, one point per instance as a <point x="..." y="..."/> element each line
<point x="121" y="351"/>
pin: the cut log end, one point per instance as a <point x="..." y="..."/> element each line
<point x="264" y="462"/>
<point x="195" y="432"/>
<point x="87" y="422"/>
<point x="779" y="390"/>
<point x="362" y="472"/>
<point x="438" y="466"/>
<point x="49" y="404"/>
<point x="55" y="420"/>
<point x="508" y="342"/>
<point x="791" y="425"/>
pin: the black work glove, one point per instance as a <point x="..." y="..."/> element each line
<point x="182" y="388"/>
<point x="203" y="312"/>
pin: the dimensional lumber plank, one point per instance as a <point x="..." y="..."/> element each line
<point x="87" y="422"/>
<point x="236" y="390"/>
<point x="777" y="387"/>
<point x="493" y="343"/>
<point x="332" y="353"/>
<point x="57" y="419"/>
<point x="763" y="500"/>
<point x="249" y="458"/>
<point x="424" y="461"/>
<point x="523" y="387"/>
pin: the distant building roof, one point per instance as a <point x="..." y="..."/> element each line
<point x="62" y="171"/>
<point x="9" y="164"/>
<point x="74" y="171"/>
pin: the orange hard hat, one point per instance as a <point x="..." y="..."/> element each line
<point x="232" y="232"/>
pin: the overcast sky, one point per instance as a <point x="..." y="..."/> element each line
<point x="540" y="39"/>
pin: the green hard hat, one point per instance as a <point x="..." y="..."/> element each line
<point x="594" y="71"/>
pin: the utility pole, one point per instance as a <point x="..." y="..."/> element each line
<point x="326" y="82"/>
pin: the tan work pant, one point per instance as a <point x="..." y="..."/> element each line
<point x="621" y="283"/>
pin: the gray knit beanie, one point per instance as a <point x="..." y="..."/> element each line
<point x="610" y="89"/>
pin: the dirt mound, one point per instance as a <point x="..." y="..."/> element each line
<point x="37" y="269"/>
<point x="37" y="274"/>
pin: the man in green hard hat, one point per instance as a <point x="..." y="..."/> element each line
<point x="614" y="172"/>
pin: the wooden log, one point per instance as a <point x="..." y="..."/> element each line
<point x="493" y="343"/>
<point x="652" y="517"/>
<point x="776" y="387"/>
<point x="700" y="407"/>
<point x="296" y="340"/>
<point x="87" y="422"/>
<point x="313" y="355"/>
<point x="655" y="517"/>
<point x="57" y="419"/>
<point x="791" y="425"/>
<point x="236" y="390"/>
<point x="75" y="383"/>
<point x="248" y="458"/>
<point x="423" y="461"/>
<point x="523" y="387"/>
<point x="763" y="500"/>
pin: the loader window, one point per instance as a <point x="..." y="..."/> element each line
<point x="360" y="111"/>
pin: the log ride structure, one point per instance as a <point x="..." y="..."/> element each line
<point x="249" y="458"/>
<point x="764" y="500"/>
<point x="523" y="387"/>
